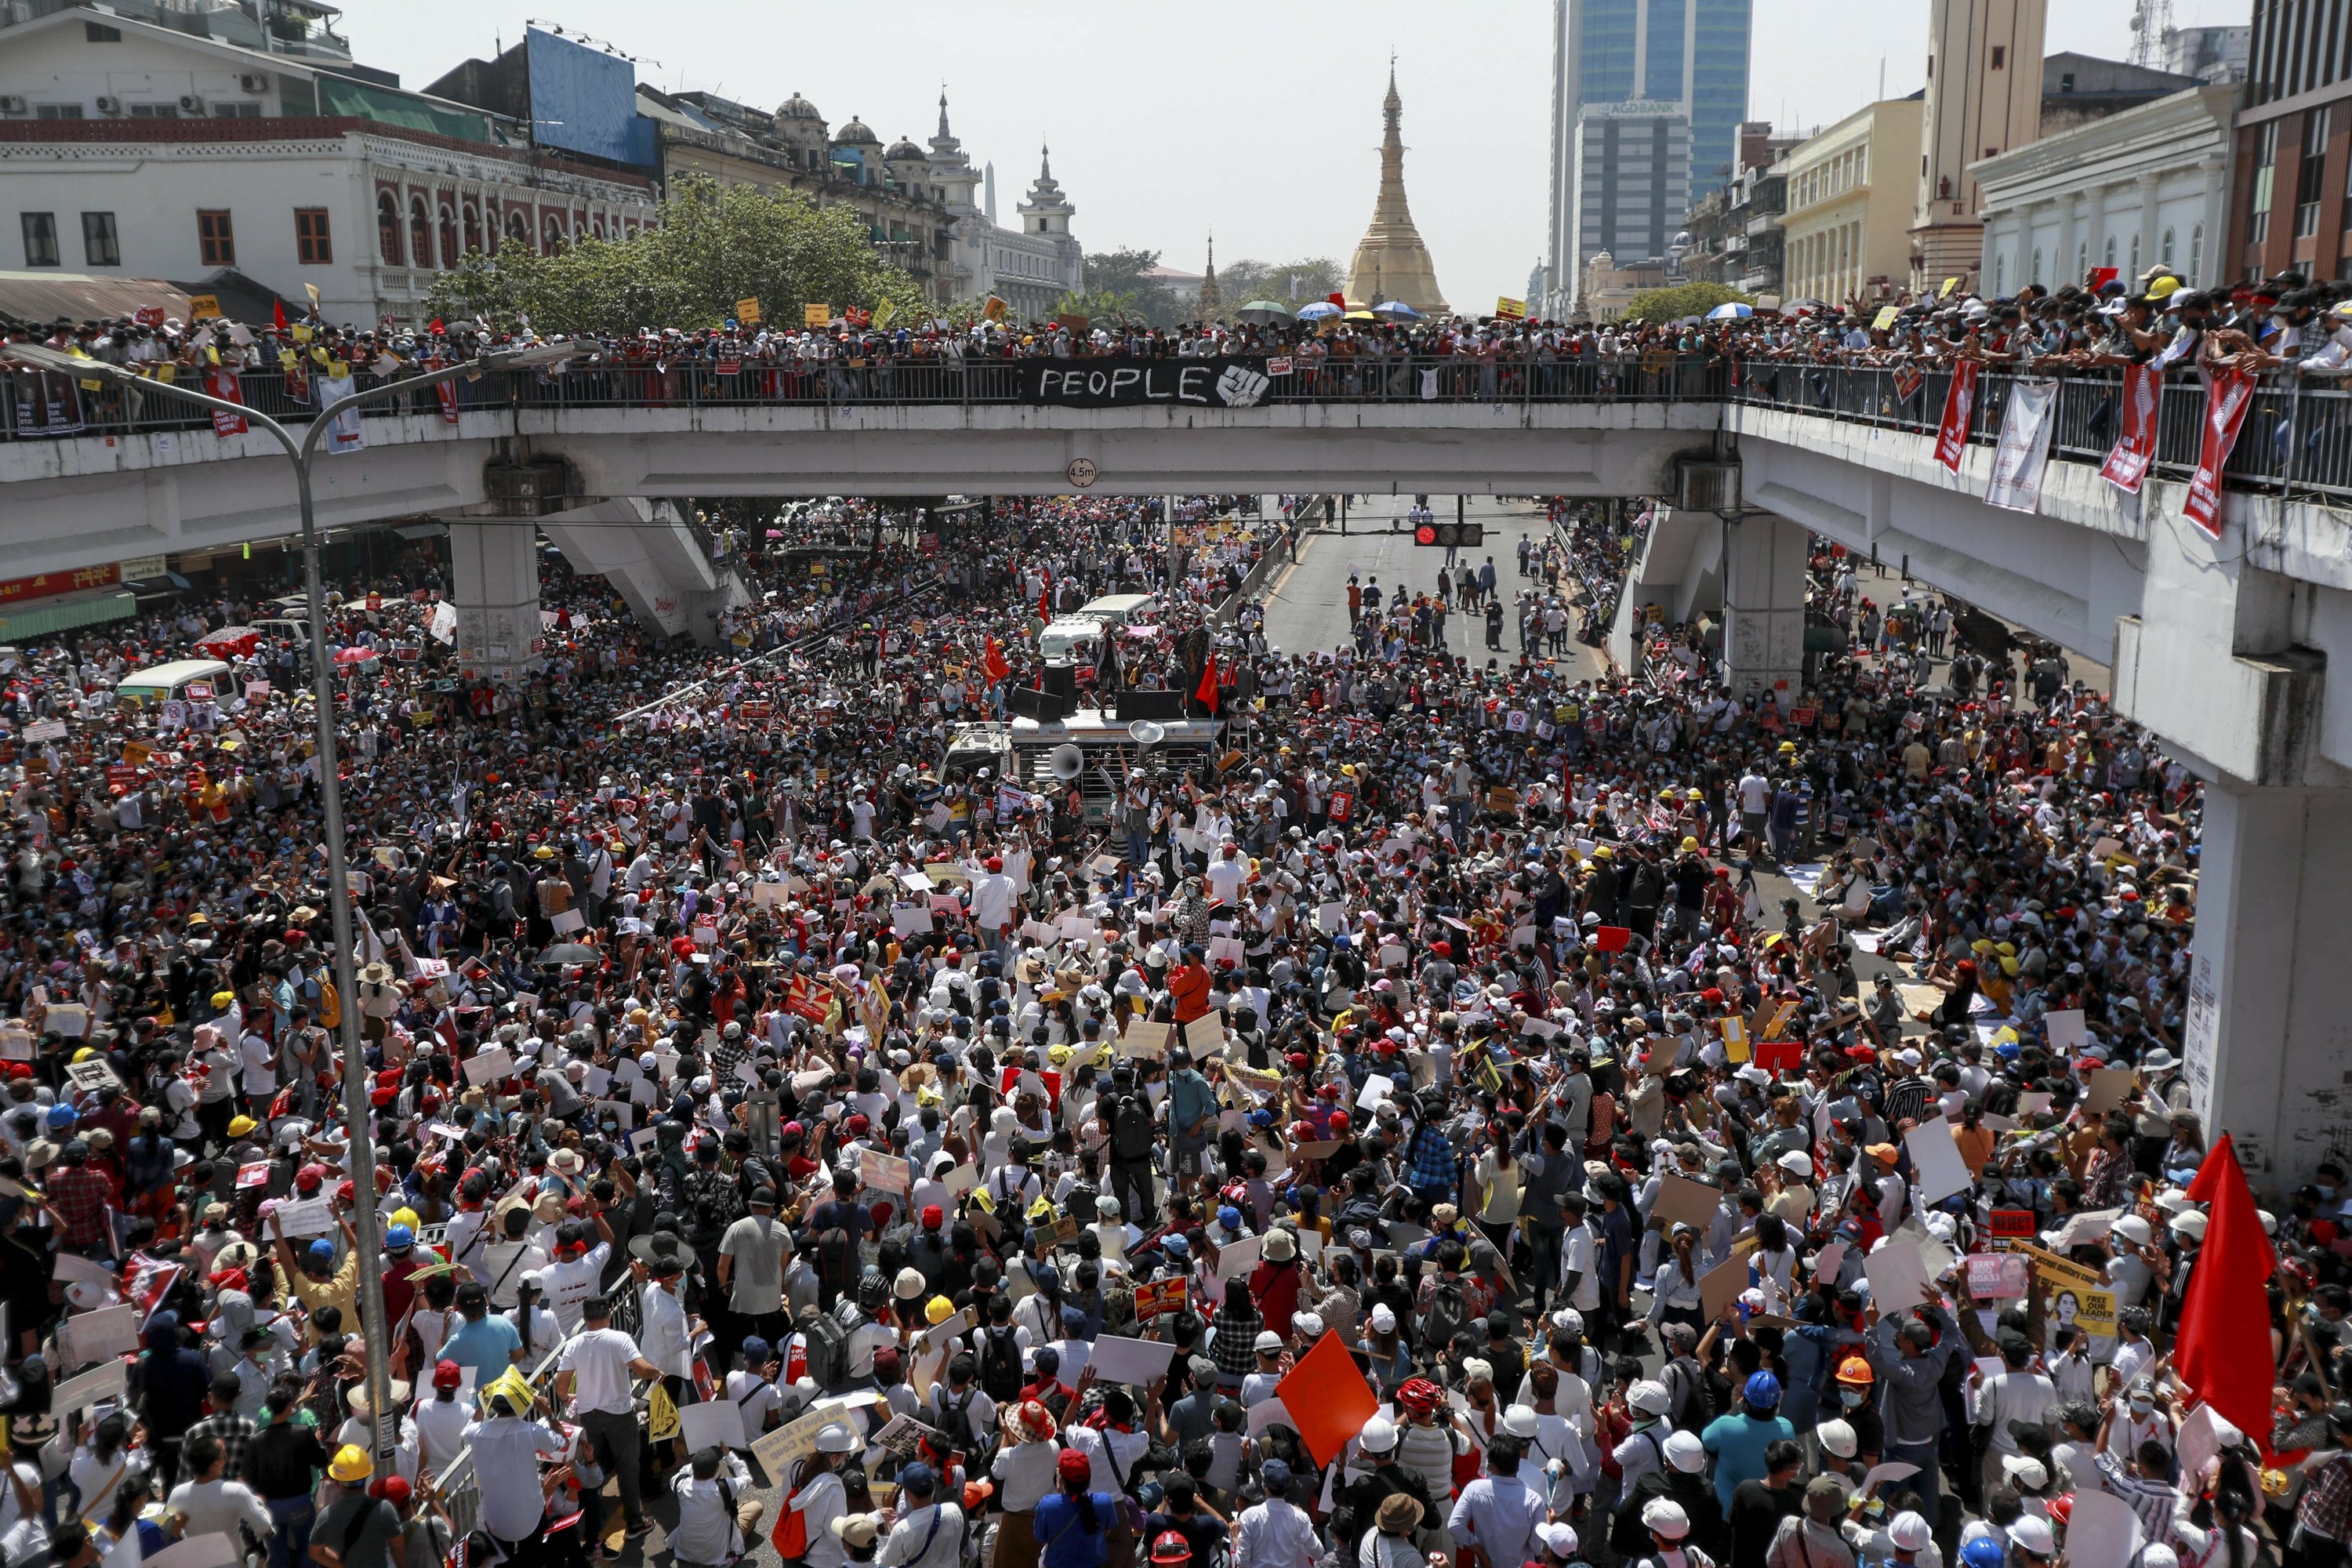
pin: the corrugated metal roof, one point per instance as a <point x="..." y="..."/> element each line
<point x="45" y="296"/>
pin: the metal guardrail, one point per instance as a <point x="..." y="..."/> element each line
<point x="2297" y="437"/>
<point x="459" y="1490"/>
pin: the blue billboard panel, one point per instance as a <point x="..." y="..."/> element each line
<point x="582" y="100"/>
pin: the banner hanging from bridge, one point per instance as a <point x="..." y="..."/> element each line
<point x="2024" y="447"/>
<point x="2134" y="448"/>
<point x="1117" y="382"/>
<point x="2228" y="394"/>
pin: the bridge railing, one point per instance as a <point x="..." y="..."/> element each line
<point x="2298" y="435"/>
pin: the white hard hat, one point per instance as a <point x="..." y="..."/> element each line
<point x="2134" y="1229"/>
<point x="1796" y="1161"/>
<point x="1685" y="1453"/>
<point x="1379" y="1436"/>
<point x="1519" y="1420"/>
<point x="1665" y="1516"/>
<point x="1910" y="1532"/>
<point x="1838" y="1437"/>
<point x="834" y="1438"/>
<point x="1648" y="1395"/>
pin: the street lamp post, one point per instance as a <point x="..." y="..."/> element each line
<point x="301" y="448"/>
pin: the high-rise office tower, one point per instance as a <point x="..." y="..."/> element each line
<point x="1691" y="55"/>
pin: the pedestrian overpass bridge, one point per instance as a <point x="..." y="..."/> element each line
<point x="2221" y="646"/>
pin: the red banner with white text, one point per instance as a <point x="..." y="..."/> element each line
<point x="2135" y="446"/>
<point x="221" y="382"/>
<point x="1959" y="403"/>
<point x="2228" y="394"/>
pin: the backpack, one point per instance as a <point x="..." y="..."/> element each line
<point x="1000" y="1365"/>
<point x="1698" y="1409"/>
<point x="836" y="1259"/>
<point x="1131" y="1129"/>
<point x="1447" y="1314"/>
<point x="826" y="1345"/>
<point x="955" y="1424"/>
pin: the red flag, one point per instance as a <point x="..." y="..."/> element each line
<point x="437" y="326"/>
<point x="1206" y="691"/>
<point x="1338" y="299"/>
<point x="2228" y="396"/>
<point x="447" y="390"/>
<point x="277" y="314"/>
<point x="1959" y="401"/>
<point x="2220" y="1352"/>
<point x="994" y="662"/>
<point x="1045" y="599"/>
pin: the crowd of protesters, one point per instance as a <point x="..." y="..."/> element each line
<point x="1416" y="1127"/>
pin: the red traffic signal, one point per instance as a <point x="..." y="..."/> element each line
<point x="1425" y="534"/>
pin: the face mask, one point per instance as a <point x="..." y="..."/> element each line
<point x="2327" y="1191"/>
<point x="1849" y="1398"/>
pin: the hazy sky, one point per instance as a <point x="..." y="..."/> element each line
<point x="1260" y="120"/>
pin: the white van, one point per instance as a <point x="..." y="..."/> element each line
<point x="160" y="683"/>
<point x="1117" y="609"/>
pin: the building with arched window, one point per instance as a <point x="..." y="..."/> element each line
<point x="2133" y="190"/>
<point x="293" y="175"/>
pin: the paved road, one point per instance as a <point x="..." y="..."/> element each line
<point x="1307" y="608"/>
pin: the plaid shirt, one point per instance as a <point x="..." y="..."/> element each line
<point x="236" y="1434"/>
<point x="1429" y="1163"/>
<point x="1237" y="1324"/>
<point x="79" y="1196"/>
<point x="2326" y="1506"/>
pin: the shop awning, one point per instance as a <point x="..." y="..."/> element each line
<point x="67" y="611"/>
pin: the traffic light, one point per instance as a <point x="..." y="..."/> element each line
<point x="1451" y="535"/>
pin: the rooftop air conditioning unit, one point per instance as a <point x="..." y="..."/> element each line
<point x="11" y="105"/>
<point x="107" y="105"/>
<point x="1705" y="485"/>
<point x="191" y="104"/>
<point x="253" y="82"/>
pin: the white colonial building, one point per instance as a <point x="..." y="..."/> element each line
<point x="2145" y="187"/>
<point x="133" y="150"/>
<point x="1031" y="266"/>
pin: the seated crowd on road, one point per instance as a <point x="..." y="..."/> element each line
<point x="1460" y="1111"/>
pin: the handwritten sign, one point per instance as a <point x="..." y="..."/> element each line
<point x="885" y="1172"/>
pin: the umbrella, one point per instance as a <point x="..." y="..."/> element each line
<point x="1263" y="312"/>
<point x="1319" y="310"/>
<point x="1396" y="309"/>
<point x="571" y="953"/>
<point x="1359" y="316"/>
<point x="353" y="656"/>
<point x="1730" y="311"/>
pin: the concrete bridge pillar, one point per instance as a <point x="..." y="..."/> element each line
<point x="1764" y="605"/>
<point x="656" y="561"/>
<point x="495" y="580"/>
<point x="2266" y="1042"/>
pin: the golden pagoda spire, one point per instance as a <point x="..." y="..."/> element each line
<point x="1391" y="261"/>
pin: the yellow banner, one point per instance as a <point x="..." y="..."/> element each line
<point x="816" y="315"/>
<point x="1886" y="319"/>
<point x="661" y="1414"/>
<point x="883" y="313"/>
<point x="1949" y="284"/>
<point x="1510" y="308"/>
<point x="747" y="312"/>
<point x="204" y="306"/>
<point x="993" y="310"/>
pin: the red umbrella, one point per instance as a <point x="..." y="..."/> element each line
<point x="354" y="656"/>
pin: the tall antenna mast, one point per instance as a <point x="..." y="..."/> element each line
<point x="2151" y="24"/>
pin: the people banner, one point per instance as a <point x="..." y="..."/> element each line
<point x="2024" y="450"/>
<point x="1959" y="403"/>
<point x="1122" y="383"/>
<point x="2134" y="449"/>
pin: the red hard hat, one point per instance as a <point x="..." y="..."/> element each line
<point x="1171" y="1547"/>
<point x="1074" y="1466"/>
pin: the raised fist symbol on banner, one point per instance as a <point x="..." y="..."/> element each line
<point x="1240" y="386"/>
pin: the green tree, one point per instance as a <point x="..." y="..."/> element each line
<point x="1289" y="284"/>
<point x="1120" y="273"/>
<point x="1683" y="299"/>
<point x="1101" y="309"/>
<point x="711" y="246"/>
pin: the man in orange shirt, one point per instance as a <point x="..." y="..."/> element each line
<point x="1188" y="987"/>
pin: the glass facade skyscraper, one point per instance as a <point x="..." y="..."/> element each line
<point x="1687" y="54"/>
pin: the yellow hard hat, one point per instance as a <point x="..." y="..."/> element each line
<point x="85" y="1054"/>
<point x="407" y="1216"/>
<point x="238" y="1126"/>
<point x="349" y="1463"/>
<point x="223" y="999"/>
<point x="1690" y="846"/>
<point x="938" y="1309"/>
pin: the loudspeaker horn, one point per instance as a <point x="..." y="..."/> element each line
<point x="1144" y="732"/>
<point x="1067" y="760"/>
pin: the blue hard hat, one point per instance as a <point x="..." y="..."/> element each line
<point x="1762" y="1391"/>
<point x="1982" y="1551"/>
<point x="1176" y="1246"/>
<point x="61" y="1116"/>
<point x="398" y="1237"/>
<point x="322" y="1252"/>
<point x="1230" y="1217"/>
